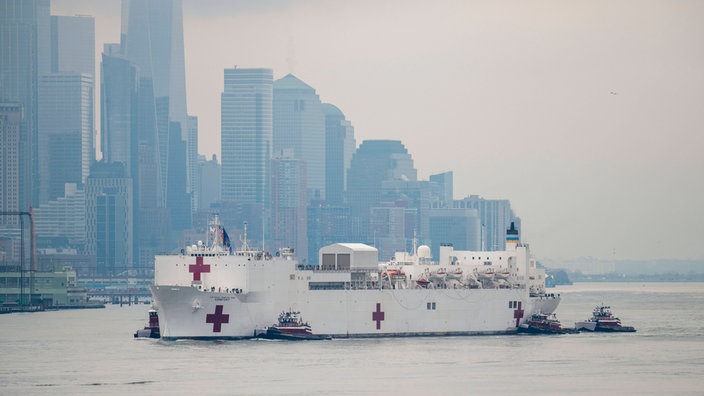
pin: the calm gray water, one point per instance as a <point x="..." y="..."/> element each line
<point x="93" y="352"/>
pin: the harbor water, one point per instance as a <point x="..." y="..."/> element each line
<point x="93" y="352"/>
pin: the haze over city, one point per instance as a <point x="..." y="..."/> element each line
<point x="586" y="116"/>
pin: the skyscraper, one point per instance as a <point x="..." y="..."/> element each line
<point x="459" y="227"/>
<point x="246" y="135"/>
<point x="246" y="139"/>
<point x="73" y="44"/>
<point x="24" y="56"/>
<point x="340" y="144"/>
<point x="414" y="195"/>
<point x="144" y="122"/>
<point x="118" y="107"/>
<point x="374" y="162"/>
<point x="390" y="226"/>
<point x="109" y="217"/>
<point x="193" y="164"/>
<point x="495" y="216"/>
<point x="327" y="224"/>
<point x="65" y="127"/>
<point x="64" y="217"/>
<point x="152" y="39"/>
<point x="65" y="107"/>
<point x="288" y="204"/>
<point x="10" y="138"/>
<point x="444" y="185"/>
<point x="208" y="181"/>
<point x="299" y="125"/>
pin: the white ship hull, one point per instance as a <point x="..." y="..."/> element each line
<point x="186" y="312"/>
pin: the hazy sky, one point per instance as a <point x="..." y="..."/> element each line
<point x="587" y="115"/>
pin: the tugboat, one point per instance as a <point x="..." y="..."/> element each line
<point x="540" y="323"/>
<point x="152" y="329"/>
<point x="291" y="327"/>
<point x="604" y="321"/>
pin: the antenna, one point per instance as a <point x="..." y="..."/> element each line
<point x="415" y="242"/>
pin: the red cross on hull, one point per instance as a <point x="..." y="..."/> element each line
<point x="378" y="316"/>
<point x="217" y="319"/>
<point x="198" y="268"/>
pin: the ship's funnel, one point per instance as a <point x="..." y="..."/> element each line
<point x="512" y="239"/>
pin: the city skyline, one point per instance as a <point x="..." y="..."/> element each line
<point x="583" y="116"/>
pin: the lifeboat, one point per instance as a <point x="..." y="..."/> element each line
<point x="502" y="274"/>
<point x="438" y="275"/>
<point x="455" y="274"/>
<point x="423" y="282"/>
<point x="487" y="273"/>
<point x="394" y="274"/>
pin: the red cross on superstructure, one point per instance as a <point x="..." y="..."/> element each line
<point x="378" y="316"/>
<point x="518" y="314"/>
<point x="217" y="319"/>
<point x="198" y="268"/>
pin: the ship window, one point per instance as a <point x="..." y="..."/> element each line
<point x="433" y="305"/>
<point x="428" y="306"/>
<point x="326" y="286"/>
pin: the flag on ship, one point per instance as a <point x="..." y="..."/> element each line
<point x="225" y="238"/>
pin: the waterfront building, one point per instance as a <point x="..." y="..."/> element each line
<point x="340" y="145"/>
<point x="299" y="125"/>
<point x="58" y="258"/>
<point x="47" y="289"/>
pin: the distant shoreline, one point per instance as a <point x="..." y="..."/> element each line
<point x="636" y="278"/>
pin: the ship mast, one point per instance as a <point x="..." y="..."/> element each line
<point x="243" y="239"/>
<point x="415" y="242"/>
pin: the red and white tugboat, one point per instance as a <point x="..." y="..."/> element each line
<point x="152" y="329"/>
<point x="603" y="320"/>
<point x="291" y="327"/>
<point x="540" y="323"/>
